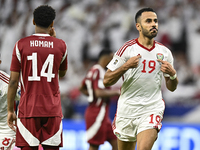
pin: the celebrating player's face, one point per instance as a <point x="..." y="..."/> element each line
<point x="149" y="24"/>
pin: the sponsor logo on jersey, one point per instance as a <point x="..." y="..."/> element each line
<point x="160" y="56"/>
<point x="116" y="61"/>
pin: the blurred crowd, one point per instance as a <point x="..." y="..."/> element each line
<point x="87" y="26"/>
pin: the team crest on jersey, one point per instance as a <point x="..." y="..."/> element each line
<point x="116" y="61"/>
<point x="117" y="134"/>
<point x="160" y="56"/>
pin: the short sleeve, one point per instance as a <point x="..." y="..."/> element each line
<point x="64" y="62"/>
<point x="16" y="59"/>
<point x="115" y="63"/>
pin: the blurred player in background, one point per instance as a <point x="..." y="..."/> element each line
<point x="98" y="123"/>
<point x="141" y="62"/>
<point x="7" y="135"/>
<point x="38" y="60"/>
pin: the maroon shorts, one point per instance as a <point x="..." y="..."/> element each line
<point x="98" y="127"/>
<point x="39" y="130"/>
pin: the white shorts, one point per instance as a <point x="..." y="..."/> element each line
<point x="7" y="142"/>
<point x="126" y="129"/>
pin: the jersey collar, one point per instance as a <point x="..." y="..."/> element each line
<point x="145" y="47"/>
<point x="41" y="34"/>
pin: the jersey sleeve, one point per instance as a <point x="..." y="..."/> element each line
<point x="115" y="63"/>
<point x="97" y="80"/>
<point x="64" y="62"/>
<point x="16" y="59"/>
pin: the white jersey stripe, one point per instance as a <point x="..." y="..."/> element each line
<point x="64" y="55"/>
<point x="55" y="139"/>
<point x="18" y="53"/>
<point x="29" y="138"/>
<point x="4" y="78"/>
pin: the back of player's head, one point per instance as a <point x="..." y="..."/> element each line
<point x="139" y="13"/>
<point x="44" y="16"/>
<point x="105" y="51"/>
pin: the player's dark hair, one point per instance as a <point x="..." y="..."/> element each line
<point x="44" y="16"/>
<point x="139" y="13"/>
<point x="104" y="51"/>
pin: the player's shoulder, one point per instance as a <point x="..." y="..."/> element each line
<point x="130" y="42"/>
<point x="127" y="45"/>
<point x="161" y="45"/>
<point x="95" y="69"/>
<point x="25" y="38"/>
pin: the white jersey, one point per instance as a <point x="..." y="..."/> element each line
<point x="4" y="128"/>
<point x="141" y="89"/>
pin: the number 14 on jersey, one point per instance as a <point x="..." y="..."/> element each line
<point x="48" y="65"/>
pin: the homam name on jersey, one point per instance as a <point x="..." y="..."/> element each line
<point x="38" y="43"/>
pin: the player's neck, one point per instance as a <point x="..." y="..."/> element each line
<point x="42" y="30"/>
<point x="146" y="42"/>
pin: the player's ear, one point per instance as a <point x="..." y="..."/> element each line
<point x="33" y="22"/>
<point x="137" y="26"/>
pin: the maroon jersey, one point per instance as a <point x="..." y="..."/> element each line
<point x="98" y="123"/>
<point x="94" y="80"/>
<point x="38" y="58"/>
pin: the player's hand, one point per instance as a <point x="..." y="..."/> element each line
<point x="11" y="120"/>
<point x="52" y="32"/>
<point x="166" y="67"/>
<point x="133" y="61"/>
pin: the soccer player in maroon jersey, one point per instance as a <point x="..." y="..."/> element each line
<point x="98" y="123"/>
<point x="38" y="60"/>
<point x="142" y="62"/>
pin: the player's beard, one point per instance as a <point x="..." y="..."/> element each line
<point x="149" y="34"/>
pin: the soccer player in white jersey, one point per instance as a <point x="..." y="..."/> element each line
<point x="141" y="62"/>
<point x="7" y="135"/>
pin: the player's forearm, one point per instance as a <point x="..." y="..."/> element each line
<point x="172" y="84"/>
<point x="105" y="93"/>
<point x="12" y="89"/>
<point x="111" y="77"/>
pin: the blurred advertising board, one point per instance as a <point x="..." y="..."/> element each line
<point x="173" y="136"/>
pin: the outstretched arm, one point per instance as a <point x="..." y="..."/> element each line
<point x="111" y="77"/>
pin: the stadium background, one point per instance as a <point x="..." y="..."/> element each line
<point x="89" y="25"/>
